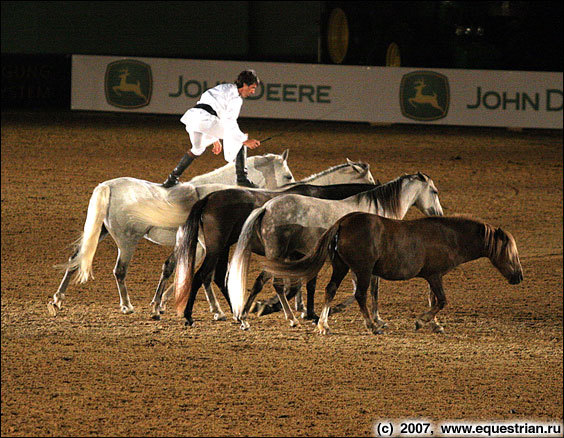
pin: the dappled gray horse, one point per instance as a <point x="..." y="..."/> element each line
<point x="110" y="204"/>
<point x="288" y="227"/>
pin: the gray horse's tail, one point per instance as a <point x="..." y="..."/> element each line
<point x="87" y="244"/>
<point x="237" y="277"/>
<point x="307" y="267"/>
<point x="186" y="243"/>
<point x="160" y="211"/>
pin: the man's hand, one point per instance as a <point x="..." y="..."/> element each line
<point x="217" y="147"/>
<point x="251" y="143"/>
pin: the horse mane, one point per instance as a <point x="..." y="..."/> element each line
<point x="331" y="170"/>
<point x="386" y="195"/>
<point x="490" y="242"/>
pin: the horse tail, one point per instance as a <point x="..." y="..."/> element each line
<point x="186" y="243"/>
<point x="87" y="244"/>
<point x="237" y="277"/>
<point x="309" y="266"/>
<point x="159" y="212"/>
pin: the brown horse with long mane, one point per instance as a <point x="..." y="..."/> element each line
<point x="429" y="247"/>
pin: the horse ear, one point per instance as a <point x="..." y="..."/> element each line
<point x="358" y="167"/>
<point x="500" y="234"/>
<point x="285" y="154"/>
<point x="421" y="176"/>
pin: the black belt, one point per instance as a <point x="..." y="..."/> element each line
<point x="207" y="108"/>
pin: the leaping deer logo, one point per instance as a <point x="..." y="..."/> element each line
<point x="127" y="87"/>
<point x="424" y="99"/>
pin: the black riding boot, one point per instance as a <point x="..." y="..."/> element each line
<point x="241" y="169"/>
<point x="172" y="179"/>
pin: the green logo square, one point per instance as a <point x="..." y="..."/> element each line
<point x="128" y="84"/>
<point x="424" y="95"/>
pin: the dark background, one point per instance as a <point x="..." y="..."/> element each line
<point x="39" y="37"/>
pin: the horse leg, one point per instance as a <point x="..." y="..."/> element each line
<point x="156" y="304"/>
<point x="296" y="291"/>
<point x="362" y="284"/>
<point x="310" y="305"/>
<point x="437" y="301"/>
<point x="166" y="297"/>
<point x="273" y="304"/>
<point x="59" y="296"/>
<point x="347" y="302"/>
<point x="120" y="271"/>
<point x="281" y="292"/>
<point x="215" y="308"/>
<point x="203" y="275"/>
<point x="219" y="279"/>
<point x="339" y="272"/>
<point x="262" y="307"/>
<point x="374" y="285"/>
<point x="57" y="303"/>
<point x="250" y="305"/>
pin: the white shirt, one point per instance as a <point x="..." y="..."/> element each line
<point x="204" y="128"/>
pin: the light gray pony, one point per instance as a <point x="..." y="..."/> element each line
<point x="108" y="213"/>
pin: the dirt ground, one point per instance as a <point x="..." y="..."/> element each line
<point x="92" y="371"/>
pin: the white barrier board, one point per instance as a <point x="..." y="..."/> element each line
<point x="325" y="92"/>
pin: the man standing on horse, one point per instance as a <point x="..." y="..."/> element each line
<point x="214" y="118"/>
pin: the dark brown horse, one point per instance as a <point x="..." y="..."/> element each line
<point x="429" y="247"/>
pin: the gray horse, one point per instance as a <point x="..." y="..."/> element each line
<point x="288" y="227"/>
<point x="108" y="213"/>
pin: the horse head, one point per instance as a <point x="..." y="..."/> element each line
<point x="271" y="169"/>
<point x="427" y="198"/>
<point x="362" y="170"/>
<point x="505" y="257"/>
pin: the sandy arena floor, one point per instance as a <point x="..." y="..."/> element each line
<point x="92" y="371"/>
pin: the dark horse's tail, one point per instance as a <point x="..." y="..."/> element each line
<point x="186" y="244"/>
<point x="307" y="267"/>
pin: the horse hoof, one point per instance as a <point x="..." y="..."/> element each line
<point x="377" y="331"/>
<point x="52" y="309"/>
<point x="189" y="322"/>
<point x="156" y="317"/>
<point x="245" y="325"/>
<point x="127" y="310"/>
<point x="310" y="317"/>
<point x="418" y="325"/>
<point x="219" y="317"/>
<point x="438" y="329"/>
<point x="294" y="323"/>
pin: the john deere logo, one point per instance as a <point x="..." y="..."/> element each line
<point x="424" y="96"/>
<point x="128" y="84"/>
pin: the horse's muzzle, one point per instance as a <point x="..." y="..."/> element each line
<point x="516" y="278"/>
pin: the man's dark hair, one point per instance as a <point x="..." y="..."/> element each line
<point x="248" y="77"/>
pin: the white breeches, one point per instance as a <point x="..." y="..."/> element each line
<point x="205" y="129"/>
